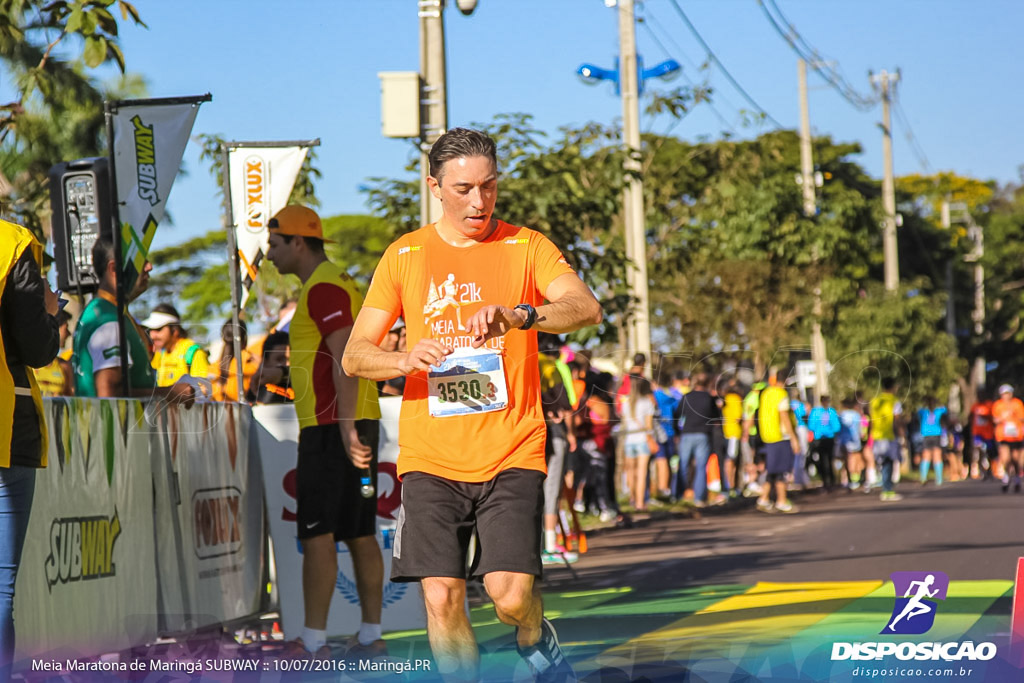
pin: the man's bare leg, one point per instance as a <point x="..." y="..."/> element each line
<point x="451" y="637"/>
<point x="517" y="602"/>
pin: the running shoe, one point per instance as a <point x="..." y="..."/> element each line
<point x="296" y="649"/>
<point x="357" y="651"/>
<point x="890" y="496"/>
<point x="578" y="506"/>
<point x="559" y="556"/>
<point x="765" y="506"/>
<point x="545" y="658"/>
<point x="787" y="508"/>
<point x="753" y="489"/>
<point x="1006" y="483"/>
<point x="607" y="516"/>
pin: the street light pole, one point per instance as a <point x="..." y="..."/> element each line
<point x="633" y="197"/>
<point x="433" y="97"/>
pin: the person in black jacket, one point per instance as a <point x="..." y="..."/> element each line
<point x="29" y="338"/>
<point x="700" y="418"/>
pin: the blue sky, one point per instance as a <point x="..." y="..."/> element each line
<point x="308" y="68"/>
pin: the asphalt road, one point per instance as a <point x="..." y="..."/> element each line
<point x="969" y="530"/>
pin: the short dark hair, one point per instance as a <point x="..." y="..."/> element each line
<point x="639" y="359"/>
<point x="888" y="383"/>
<point x="315" y="244"/>
<point x="102" y="255"/>
<point x="275" y="340"/>
<point x="460" y="142"/>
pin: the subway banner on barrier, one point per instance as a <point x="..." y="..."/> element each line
<point x="88" y="577"/>
<point x="262" y="178"/>
<point x="149" y="138"/>
<point x="209" y="515"/>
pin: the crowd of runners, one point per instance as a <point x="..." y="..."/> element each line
<point x="629" y="443"/>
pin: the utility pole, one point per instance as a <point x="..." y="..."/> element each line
<point x="977" y="235"/>
<point x="947" y="224"/>
<point x="633" y="197"/>
<point x="885" y="81"/>
<point x="818" y="354"/>
<point x="433" y="97"/>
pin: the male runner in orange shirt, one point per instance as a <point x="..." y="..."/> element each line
<point x="1008" y="416"/>
<point x="471" y="446"/>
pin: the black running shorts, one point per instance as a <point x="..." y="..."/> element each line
<point x="778" y="457"/>
<point x="329" y="498"/>
<point x="439" y="516"/>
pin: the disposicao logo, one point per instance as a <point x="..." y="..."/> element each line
<point x="914" y="612"/>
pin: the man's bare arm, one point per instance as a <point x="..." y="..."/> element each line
<point x="572" y="306"/>
<point x="108" y="385"/>
<point x="346" y="395"/>
<point x="365" y="358"/>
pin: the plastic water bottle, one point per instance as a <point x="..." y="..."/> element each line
<point x="367" y="489"/>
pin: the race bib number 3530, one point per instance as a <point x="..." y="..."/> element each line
<point x="469" y="381"/>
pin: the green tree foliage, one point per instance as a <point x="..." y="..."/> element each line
<point x="1003" y="263"/>
<point x="46" y="48"/>
<point x="895" y="335"/>
<point x="194" y="274"/>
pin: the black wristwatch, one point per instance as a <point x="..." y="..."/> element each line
<point x="531" y="315"/>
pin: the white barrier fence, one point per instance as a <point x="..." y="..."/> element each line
<point x="151" y="521"/>
<point x="278" y="434"/>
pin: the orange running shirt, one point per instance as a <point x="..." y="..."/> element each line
<point x="329" y="301"/>
<point x="981" y="420"/>
<point x="1009" y="417"/>
<point x="434" y="287"/>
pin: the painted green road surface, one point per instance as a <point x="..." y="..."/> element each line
<point x="735" y="633"/>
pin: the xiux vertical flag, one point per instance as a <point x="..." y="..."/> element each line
<point x="262" y="178"/>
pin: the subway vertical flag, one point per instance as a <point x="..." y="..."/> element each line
<point x="149" y="141"/>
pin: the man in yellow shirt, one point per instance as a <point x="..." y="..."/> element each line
<point x="339" y="435"/>
<point x="175" y="355"/>
<point x="776" y="428"/>
<point x="886" y="426"/>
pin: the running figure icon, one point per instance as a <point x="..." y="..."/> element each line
<point x="915" y="606"/>
<point x="440" y="298"/>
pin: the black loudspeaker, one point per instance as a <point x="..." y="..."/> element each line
<point x="82" y="212"/>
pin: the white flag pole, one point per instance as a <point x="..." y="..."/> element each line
<point x="234" y="273"/>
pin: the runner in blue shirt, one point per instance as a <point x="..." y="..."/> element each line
<point x="932" y="419"/>
<point x="824" y="424"/>
<point x="799" y="409"/>
<point x="667" y="406"/>
<point x="850" y="444"/>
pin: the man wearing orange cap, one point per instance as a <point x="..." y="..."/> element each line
<point x="338" y="423"/>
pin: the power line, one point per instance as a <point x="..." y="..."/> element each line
<point x="908" y="132"/>
<point x="725" y="71"/>
<point x="824" y="67"/>
<point x="693" y="85"/>
<point x="678" y="48"/>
